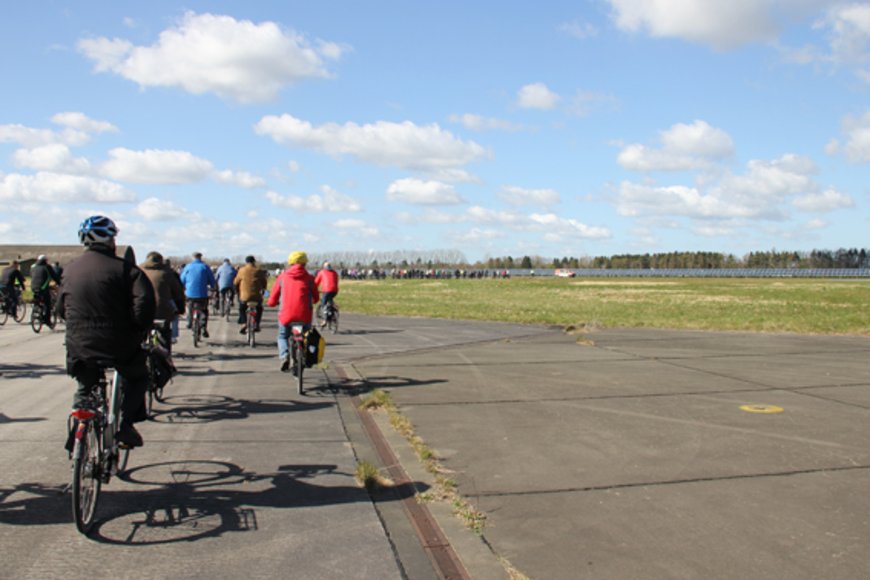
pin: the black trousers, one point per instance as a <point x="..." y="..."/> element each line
<point x="133" y="378"/>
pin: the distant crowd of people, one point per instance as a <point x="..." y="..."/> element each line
<point x="419" y="273"/>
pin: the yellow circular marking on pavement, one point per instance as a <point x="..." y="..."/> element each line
<point x="768" y="409"/>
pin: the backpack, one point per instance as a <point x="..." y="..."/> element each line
<point x="315" y="347"/>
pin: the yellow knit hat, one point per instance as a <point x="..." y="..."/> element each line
<point x="297" y="258"/>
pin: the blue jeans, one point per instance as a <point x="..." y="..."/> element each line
<point x="284" y="337"/>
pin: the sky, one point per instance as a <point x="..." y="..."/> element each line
<point x="491" y="128"/>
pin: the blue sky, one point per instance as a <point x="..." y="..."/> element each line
<point x="547" y="129"/>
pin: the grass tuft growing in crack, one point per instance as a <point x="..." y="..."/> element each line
<point x="444" y="489"/>
<point x="370" y="477"/>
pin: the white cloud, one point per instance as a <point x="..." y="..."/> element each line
<point x="523" y="196"/>
<point x="55" y="157"/>
<point x="683" y="147"/>
<point x="760" y="193"/>
<point x="556" y="228"/>
<point x="240" y="178"/>
<point x="357" y="228"/>
<point x="156" y="166"/>
<point x="416" y="191"/>
<point x="331" y="201"/>
<point x="537" y="96"/>
<point x="154" y="209"/>
<point x="722" y="24"/>
<point x="480" y="123"/>
<point x="29" y="137"/>
<point x="49" y="187"/>
<point x="827" y="200"/>
<point x="404" y="145"/>
<point x="857" y="146"/>
<point x="578" y="29"/>
<point x="476" y="236"/>
<point x="850" y="29"/>
<point x="82" y="122"/>
<point x="236" y="59"/>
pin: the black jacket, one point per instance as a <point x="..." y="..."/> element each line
<point x="41" y="276"/>
<point x="108" y="305"/>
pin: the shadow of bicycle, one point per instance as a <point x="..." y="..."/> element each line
<point x="195" y="408"/>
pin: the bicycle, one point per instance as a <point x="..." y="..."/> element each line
<point x="12" y="305"/>
<point x="96" y="453"/>
<point x="155" y="346"/>
<point x="330" y="315"/>
<point x="37" y="318"/>
<point x="251" y="323"/>
<point x="297" y="353"/>
<point x="227" y="300"/>
<point x="198" y="324"/>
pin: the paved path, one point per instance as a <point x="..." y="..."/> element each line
<point x="626" y="457"/>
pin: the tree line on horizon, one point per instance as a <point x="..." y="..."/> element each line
<point x="454" y="259"/>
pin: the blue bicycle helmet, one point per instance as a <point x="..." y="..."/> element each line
<point x="97" y="230"/>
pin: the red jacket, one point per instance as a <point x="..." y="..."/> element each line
<point x="327" y="280"/>
<point x="297" y="293"/>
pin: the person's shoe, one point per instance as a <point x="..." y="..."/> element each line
<point x="127" y="435"/>
<point x="257" y="329"/>
<point x="205" y="333"/>
<point x="322" y="323"/>
<point x="285" y="364"/>
<point x="243" y="330"/>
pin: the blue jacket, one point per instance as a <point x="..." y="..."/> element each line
<point x="197" y="279"/>
<point x="225" y="276"/>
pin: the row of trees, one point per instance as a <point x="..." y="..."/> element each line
<point x="439" y="259"/>
<point x="842" y="258"/>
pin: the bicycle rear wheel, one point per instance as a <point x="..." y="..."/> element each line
<point x="35" y="320"/>
<point x="333" y="323"/>
<point x="86" y="477"/>
<point x="197" y="329"/>
<point x="300" y="366"/>
<point x="251" y="328"/>
<point x="20" y="312"/>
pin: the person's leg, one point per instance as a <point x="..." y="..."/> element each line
<point x="259" y="314"/>
<point x="86" y="377"/>
<point x="284" y="346"/>
<point x="243" y="312"/>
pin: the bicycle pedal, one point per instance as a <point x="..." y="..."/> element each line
<point x="124" y="446"/>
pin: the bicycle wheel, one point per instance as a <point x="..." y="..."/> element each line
<point x="300" y="366"/>
<point x="196" y="332"/>
<point x="20" y="311"/>
<point x="36" y="319"/>
<point x="86" y="477"/>
<point x="252" y="341"/>
<point x="333" y="324"/>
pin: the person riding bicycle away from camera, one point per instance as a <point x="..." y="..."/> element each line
<point x="250" y="282"/>
<point x="197" y="278"/>
<point x="8" y="279"/>
<point x="108" y="304"/>
<point x="41" y="277"/>
<point x="168" y="294"/>
<point x="327" y="281"/>
<point x="297" y="293"/>
<point x="225" y="276"/>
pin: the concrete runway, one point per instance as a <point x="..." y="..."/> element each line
<point x="629" y="453"/>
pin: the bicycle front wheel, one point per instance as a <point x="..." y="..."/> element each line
<point x="86" y="477"/>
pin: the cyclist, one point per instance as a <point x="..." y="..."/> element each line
<point x="8" y="279"/>
<point x="168" y="293"/>
<point x="197" y="278"/>
<point x="225" y="276"/>
<point x="108" y="305"/>
<point x="297" y="292"/>
<point x="41" y="277"/>
<point x="327" y="281"/>
<point x="251" y="282"/>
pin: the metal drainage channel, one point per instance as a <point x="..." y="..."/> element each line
<point x="441" y="554"/>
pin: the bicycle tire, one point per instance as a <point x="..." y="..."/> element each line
<point x="251" y="328"/>
<point x="86" y="478"/>
<point x="20" y="312"/>
<point x="300" y="366"/>
<point x="196" y="331"/>
<point x="35" y="320"/>
<point x="333" y="324"/>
